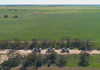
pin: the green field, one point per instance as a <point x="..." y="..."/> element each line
<point x="50" y="22"/>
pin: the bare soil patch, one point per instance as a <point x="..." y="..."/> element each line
<point x="2" y="58"/>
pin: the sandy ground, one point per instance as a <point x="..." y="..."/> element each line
<point x="2" y="58"/>
<point x="23" y="52"/>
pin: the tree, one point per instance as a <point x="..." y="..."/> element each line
<point x="15" y="16"/>
<point x="45" y="43"/>
<point x="51" y="58"/>
<point x="33" y="59"/>
<point x="83" y="47"/>
<point x="62" y="42"/>
<point x="68" y="42"/>
<point x="14" y="59"/>
<point x="25" y="45"/>
<point x="39" y="61"/>
<point x="16" y="44"/>
<point x="15" y="9"/>
<point x="5" y="16"/>
<point x="61" y="61"/>
<point x="4" y="44"/>
<point x="76" y="43"/>
<point x="88" y="46"/>
<point x="83" y="57"/>
<point x="53" y="44"/>
<point x="34" y="44"/>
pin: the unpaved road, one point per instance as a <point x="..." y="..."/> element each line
<point x="44" y="51"/>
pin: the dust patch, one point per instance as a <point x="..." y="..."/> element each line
<point x="3" y="58"/>
<point x="34" y="12"/>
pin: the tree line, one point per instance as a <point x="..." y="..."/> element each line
<point x="65" y="42"/>
<point x="35" y="60"/>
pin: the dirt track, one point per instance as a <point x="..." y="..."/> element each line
<point x="58" y="51"/>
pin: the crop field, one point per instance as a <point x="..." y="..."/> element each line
<point x="44" y="22"/>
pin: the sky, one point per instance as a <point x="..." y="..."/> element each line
<point x="49" y="1"/>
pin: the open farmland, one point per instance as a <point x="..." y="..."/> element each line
<point x="43" y="22"/>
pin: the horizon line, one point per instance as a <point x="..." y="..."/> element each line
<point x="49" y="4"/>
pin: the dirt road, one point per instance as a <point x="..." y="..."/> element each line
<point x="44" y="51"/>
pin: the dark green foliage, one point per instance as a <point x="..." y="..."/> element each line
<point x="30" y="60"/>
<point x="98" y="48"/>
<point x="74" y="43"/>
<point x="34" y="44"/>
<point x="33" y="60"/>
<point x="37" y="60"/>
<point x="4" y="68"/>
<point x="5" y="16"/>
<point x="52" y="56"/>
<point x="15" y="9"/>
<point x="15" y="16"/>
<point x="58" y="43"/>
<point x="12" y="62"/>
<point x="83" y="47"/>
<point x="14" y="59"/>
<point x="83" y="63"/>
<point x="61" y="61"/>
<point x="83" y="57"/>
<point x="77" y="43"/>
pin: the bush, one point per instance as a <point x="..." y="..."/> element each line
<point x="83" y="57"/>
<point x="14" y="59"/>
<point x="5" y="16"/>
<point x="83" y="63"/>
<point x="15" y="16"/>
<point x="10" y="9"/>
<point x="98" y="48"/>
<point x="15" y="9"/>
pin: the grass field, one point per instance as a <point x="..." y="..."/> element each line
<point x="94" y="61"/>
<point x="50" y="22"/>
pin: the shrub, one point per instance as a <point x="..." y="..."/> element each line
<point x="98" y="48"/>
<point x="83" y="57"/>
<point x="15" y="16"/>
<point x="5" y="16"/>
